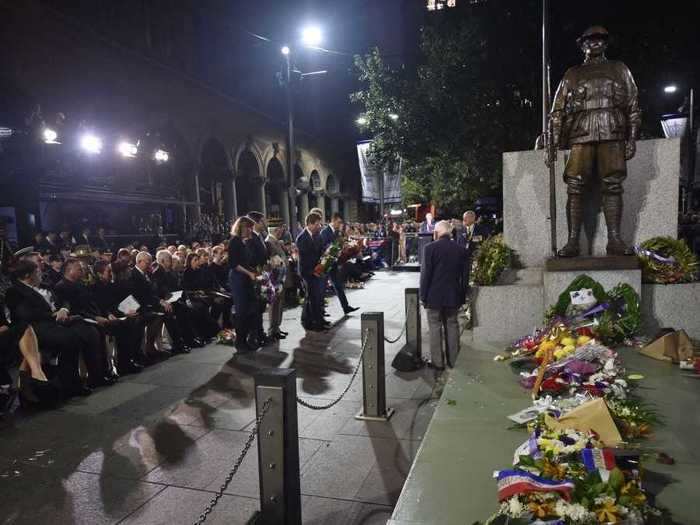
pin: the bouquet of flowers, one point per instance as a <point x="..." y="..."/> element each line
<point x="278" y="272"/>
<point x="350" y="249"/>
<point x="265" y="285"/>
<point x="329" y="258"/>
<point x="225" y="337"/>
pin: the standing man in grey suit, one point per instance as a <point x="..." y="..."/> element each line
<point x="443" y="287"/>
<point x="277" y="256"/>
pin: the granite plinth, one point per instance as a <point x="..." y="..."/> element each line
<point x="504" y="313"/>
<point x="586" y="264"/>
<point x="673" y="305"/>
<point x="556" y="282"/>
<point x="650" y="200"/>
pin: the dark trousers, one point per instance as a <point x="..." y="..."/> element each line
<point x="338" y="282"/>
<point x="58" y="340"/>
<point x="129" y="336"/>
<point x="312" y="313"/>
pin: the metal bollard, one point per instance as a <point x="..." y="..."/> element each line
<point x="413" y="325"/>
<point x="278" y="448"/>
<point x="373" y="376"/>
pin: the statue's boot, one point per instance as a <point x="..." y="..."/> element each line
<point x="612" y="209"/>
<point x="574" y="217"/>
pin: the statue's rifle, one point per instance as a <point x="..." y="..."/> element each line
<point x="551" y="154"/>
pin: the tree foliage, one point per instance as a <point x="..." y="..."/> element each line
<point x="459" y="108"/>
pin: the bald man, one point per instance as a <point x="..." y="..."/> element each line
<point x="443" y="289"/>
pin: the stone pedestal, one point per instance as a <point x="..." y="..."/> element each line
<point x="674" y="305"/>
<point x="650" y="200"/>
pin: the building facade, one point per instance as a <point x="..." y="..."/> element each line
<point x="224" y="158"/>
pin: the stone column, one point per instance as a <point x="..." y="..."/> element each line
<point x="262" y="199"/>
<point x="335" y="206"/>
<point x="234" y="198"/>
<point x="284" y="206"/>
<point x="304" y="207"/>
<point x="320" y="199"/>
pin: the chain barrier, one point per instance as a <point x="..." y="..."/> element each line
<point x="249" y="442"/>
<point x="354" y="374"/>
<point x="403" y="331"/>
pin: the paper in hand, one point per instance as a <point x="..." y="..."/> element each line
<point x="175" y="296"/>
<point x="129" y="305"/>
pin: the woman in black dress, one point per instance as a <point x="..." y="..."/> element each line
<point x="242" y="280"/>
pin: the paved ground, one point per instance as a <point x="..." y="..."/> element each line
<point x="155" y="447"/>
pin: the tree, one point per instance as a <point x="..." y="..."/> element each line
<point x="459" y="108"/>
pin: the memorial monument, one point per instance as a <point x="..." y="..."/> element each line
<point x="596" y="115"/>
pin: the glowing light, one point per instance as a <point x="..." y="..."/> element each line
<point x="127" y="149"/>
<point x="91" y="144"/>
<point x="362" y="121"/>
<point x="670" y="89"/>
<point x="311" y="36"/>
<point x="49" y="136"/>
<point x="161" y="156"/>
<point x="285" y="50"/>
<point x="393" y="116"/>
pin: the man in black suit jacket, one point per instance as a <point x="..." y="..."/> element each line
<point x="329" y="234"/>
<point x="127" y="327"/>
<point x="56" y="334"/>
<point x="309" y="256"/>
<point x="443" y="287"/>
<point x="144" y="291"/>
<point x="258" y="257"/>
<point x="470" y="236"/>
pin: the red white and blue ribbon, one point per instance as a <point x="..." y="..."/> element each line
<point x="600" y="459"/>
<point x="514" y="482"/>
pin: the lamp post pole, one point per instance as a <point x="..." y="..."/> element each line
<point x="290" y="144"/>
<point x="691" y="151"/>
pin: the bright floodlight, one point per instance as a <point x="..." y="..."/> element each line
<point x="362" y="121"/>
<point x="91" y="144"/>
<point x="285" y="50"/>
<point x="161" y="155"/>
<point x="670" y="89"/>
<point x="311" y="36"/>
<point x="5" y="132"/>
<point x="393" y="116"/>
<point x="127" y="149"/>
<point x="49" y="136"/>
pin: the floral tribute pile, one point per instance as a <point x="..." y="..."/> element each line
<point x="578" y="465"/>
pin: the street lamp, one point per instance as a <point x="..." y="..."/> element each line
<point x="393" y="116"/>
<point x="49" y="136"/>
<point x="127" y="149"/>
<point x="92" y="144"/>
<point x="161" y="156"/>
<point x="362" y="121"/>
<point x="670" y="89"/>
<point x="311" y="36"/>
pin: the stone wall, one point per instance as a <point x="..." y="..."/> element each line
<point x="651" y="201"/>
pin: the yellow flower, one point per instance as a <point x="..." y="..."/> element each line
<point x="553" y="470"/>
<point x="541" y="510"/>
<point x="608" y="513"/>
<point x="632" y="491"/>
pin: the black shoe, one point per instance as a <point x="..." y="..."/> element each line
<point x="277" y="335"/>
<point x="7" y="399"/>
<point x="131" y="367"/>
<point x="34" y="393"/>
<point x="350" y="309"/>
<point x="181" y="349"/>
<point x="196" y="343"/>
<point x="326" y="314"/>
<point x="79" y="390"/>
<point x="326" y="324"/>
<point x="283" y="332"/>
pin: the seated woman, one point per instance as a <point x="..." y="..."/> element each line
<point x="197" y="286"/>
<point x="18" y="344"/>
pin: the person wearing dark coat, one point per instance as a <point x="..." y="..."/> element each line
<point x="127" y="327"/>
<point x="309" y="256"/>
<point x="443" y="288"/>
<point x="329" y="234"/>
<point x="152" y="305"/>
<point x="470" y="236"/>
<point x="258" y="258"/>
<point x="242" y="282"/>
<point x="58" y="337"/>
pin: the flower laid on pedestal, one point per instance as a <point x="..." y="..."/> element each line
<point x="572" y="469"/>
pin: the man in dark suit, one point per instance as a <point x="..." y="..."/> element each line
<point x="57" y="335"/>
<point x="428" y="225"/>
<point x="144" y="291"/>
<point x="257" y="250"/>
<point x="127" y="327"/>
<point x="329" y="234"/>
<point x="443" y="288"/>
<point x="470" y="236"/>
<point x="309" y="257"/>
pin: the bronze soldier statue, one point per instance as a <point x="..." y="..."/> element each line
<point x="596" y="114"/>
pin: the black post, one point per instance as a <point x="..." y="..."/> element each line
<point x="413" y="324"/>
<point x="278" y="447"/>
<point x="373" y="368"/>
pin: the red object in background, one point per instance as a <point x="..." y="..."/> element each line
<point x="697" y="365"/>
<point x="585" y="331"/>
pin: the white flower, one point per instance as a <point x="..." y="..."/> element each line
<point x="515" y="508"/>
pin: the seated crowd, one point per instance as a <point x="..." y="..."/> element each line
<point x="74" y="315"/>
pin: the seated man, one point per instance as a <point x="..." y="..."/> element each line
<point x="71" y="292"/>
<point x="127" y="327"/>
<point x="54" y="273"/>
<point x="57" y="336"/>
<point x="154" y="304"/>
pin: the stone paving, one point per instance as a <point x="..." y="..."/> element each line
<point x="154" y="448"/>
